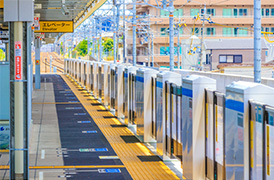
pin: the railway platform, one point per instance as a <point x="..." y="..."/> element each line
<point x="74" y="137"/>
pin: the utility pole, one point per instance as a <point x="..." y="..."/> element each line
<point x="114" y="33"/>
<point x="202" y="41"/>
<point x="171" y="35"/>
<point x="93" y="39"/>
<point x="116" y="16"/>
<point x="178" y="45"/>
<point x="124" y="32"/>
<point x="72" y="45"/>
<point x="96" y="33"/>
<point x="257" y="41"/>
<point x="134" y="33"/>
<point x="88" y="45"/>
<point x="152" y="50"/>
<point x="117" y="29"/>
<point x="100" y="42"/>
<point x="85" y="31"/>
<point x="149" y="44"/>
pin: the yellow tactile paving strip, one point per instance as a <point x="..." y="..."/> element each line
<point x="127" y="152"/>
<point x="66" y="167"/>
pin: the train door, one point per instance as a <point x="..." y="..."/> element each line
<point x="85" y="74"/>
<point x="168" y="105"/>
<point x="153" y="101"/>
<point x="269" y="143"/>
<point x="91" y="77"/>
<point x="214" y="134"/>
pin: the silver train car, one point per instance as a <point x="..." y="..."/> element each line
<point x="215" y="135"/>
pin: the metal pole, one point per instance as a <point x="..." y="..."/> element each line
<point x="149" y="44"/>
<point x="114" y="33"/>
<point x="148" y="53"/>
<point x="85" y="31"/>
<point x="93" y="40"/>
<point x="96" y="40"/>
<point x="178" y="46"/>
<point x="117" y="29"/>
<point x="171" y="35"/>
<point x="72" y="45"/>
<point x="124" y="32"/>
<point x="257" y="41"/>
<point x="152" y="49"/>
<point x="50" y="63"/>
<point x="134" y="33"/>
<point x="100" y="43"/>
<point x="202" y="42"/>
<point x="37" y="64"/>
<point x="19" y="101"/>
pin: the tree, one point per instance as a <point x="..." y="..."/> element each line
<point x="82" y="48"/>
<point x="108" y="45"/>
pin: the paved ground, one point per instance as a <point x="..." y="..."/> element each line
<point x="67" y="143"/>
<point x="58" y="137"/>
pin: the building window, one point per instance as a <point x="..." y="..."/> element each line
<point x="196" y="32"/>
<point x="235" y="12"/>
<point x="242" y="32"/>
<point x="235" y="31"/>
<point x="210" y="12"/>
<point x="208" y="56"/>
<point x="164" y="31"/>
<point x="240" y="12"/>
<point x="230" y="58"/>
<point x="164" y="50"/>
<point x="227" y="31"/>
<point x="227" y="12"/>
<point x="194" y="12"/>
<point x="164" y="13"/>
<point x="238" y="59"/>
<point x="272" y="29"/>
<point x="210" y="31"/>
<point x="265" y="12"/>
<point x="272" y="12"/>
<point x="178" y="13"/>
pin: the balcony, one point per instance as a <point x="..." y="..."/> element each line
<point x="241" y="20"/>
<point x="164" y="39"/>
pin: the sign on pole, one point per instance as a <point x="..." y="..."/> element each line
<point x="18" y="60"/>
<point x="55" y="27"/>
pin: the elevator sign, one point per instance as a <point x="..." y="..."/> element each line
<point x="18" y="60"/>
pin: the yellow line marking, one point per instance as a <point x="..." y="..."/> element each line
<point x="57" y="103"/>
<point x="65" y="167"/>
<point x="126" y="152"/>
<point x="4" y="150"/>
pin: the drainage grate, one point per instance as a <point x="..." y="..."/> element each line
<point x="118" y="125"/>
<point x="109" y="117"/>
<point x="102" y="110"/>
<point x="149" y="158"/>
<point x="96" y="104"/>
<point x="130" y="139"/>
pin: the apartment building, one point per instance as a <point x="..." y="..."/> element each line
<point x="226" y="19"/>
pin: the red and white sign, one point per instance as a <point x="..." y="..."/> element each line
<point x="18" y="60"/>
<point x="36" y="22"/>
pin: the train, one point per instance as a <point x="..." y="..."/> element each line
<point x="215" y="135"/>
